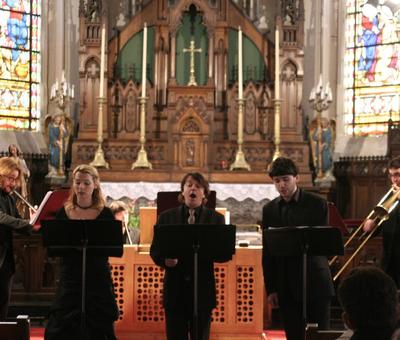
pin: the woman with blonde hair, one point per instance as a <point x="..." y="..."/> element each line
<point x="85" y="202"/>
<point x="10" y="221"/>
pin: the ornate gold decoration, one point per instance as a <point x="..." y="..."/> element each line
<point x="192" y="50"/>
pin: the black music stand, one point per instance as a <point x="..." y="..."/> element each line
<point x="304" y="241"/>
<point x="216" y="241"/>
<point x="99" y="237"/>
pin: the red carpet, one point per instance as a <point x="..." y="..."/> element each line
<point x="38" y="333"/>
<point x="275" y="335"/>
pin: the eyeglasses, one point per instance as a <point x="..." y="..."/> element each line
<point x="394" y="174"/>
<point x="10" y="178"/>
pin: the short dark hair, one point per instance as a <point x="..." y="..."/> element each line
<point x="282" y="166"/>
<point x="198" y="177"/>
<point x="118" y="206"/>
<point x="369" y="297"/>
<point x="395" y="163"/>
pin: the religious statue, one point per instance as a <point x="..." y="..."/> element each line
<point x="322" y="139"/>
<point x="58" y="129"/>
<point x="189" y="146"/>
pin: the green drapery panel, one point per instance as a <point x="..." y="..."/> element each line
<point x="183" y="38"/>
<point x="253" y="62"/>
<point x="129" y="63"/>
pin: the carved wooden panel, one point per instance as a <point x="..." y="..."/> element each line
<point x="245" y="282"/>
<point x="361" y="182"/>
<point x="239" y="285"/>
<point x="118" y="274"/>
<point x="219" y="314"/>
<point x="148" y="290"/>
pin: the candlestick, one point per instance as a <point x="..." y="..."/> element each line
<point x="240" y="65"/>
<point x="142" y="161"/>
<point x="144" y="60"/>
<point x="320" y="100"/>
<point x="99" y="160"/>
<point x="240" y="160"/>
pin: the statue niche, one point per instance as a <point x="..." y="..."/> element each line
<point x="190" y="141"/>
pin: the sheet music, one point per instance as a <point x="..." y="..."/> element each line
<point x="52" y="202"/>
<point x="39" y="210"/>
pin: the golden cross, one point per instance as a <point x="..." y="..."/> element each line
<point x="192" y="50"/>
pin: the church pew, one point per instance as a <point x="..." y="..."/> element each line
<point x="312" y="333"/>
<point x="15" y="330"/>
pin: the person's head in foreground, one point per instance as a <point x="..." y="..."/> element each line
<point x="368" y="297"/>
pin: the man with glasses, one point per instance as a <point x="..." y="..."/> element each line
<point x="390" y="229"/>
<point x="10" y="221"/>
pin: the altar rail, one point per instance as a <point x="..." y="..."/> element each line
<point x="138" y="288"/>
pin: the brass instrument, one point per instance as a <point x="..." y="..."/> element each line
<point x="379" y="214"/>
<point x="16" y="193"/>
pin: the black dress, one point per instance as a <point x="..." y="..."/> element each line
<point x="101" y="308"/>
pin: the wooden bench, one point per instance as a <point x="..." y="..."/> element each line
<point x="15" y="330"/>
<point x="312" y="333"/>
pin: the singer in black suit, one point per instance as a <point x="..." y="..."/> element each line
<point x="283" y="275"/>
<point x="178" y="280"/>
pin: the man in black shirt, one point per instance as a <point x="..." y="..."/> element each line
<point x="283" y="275"/>
<point x="390" y="229"/>
<point x="178" y="280"/>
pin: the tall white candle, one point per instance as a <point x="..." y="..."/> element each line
<point x="102" y="60"/>
<point x="277" y="73"/>
<point x="144" y="60"/>
<point x="240" y="64"/>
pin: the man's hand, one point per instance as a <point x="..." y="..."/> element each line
<point x="273" y="300"/>
<point x="368" y="225"/>
<point x="171" y="262"/>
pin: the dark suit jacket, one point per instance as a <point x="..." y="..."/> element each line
<point x="178" y="281"/>
<point x="284" y="274"/>
<point x="9" y="220"/>
<point x="390" y="235"/>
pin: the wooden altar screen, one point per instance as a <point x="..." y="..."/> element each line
<point x="138" y="288"/>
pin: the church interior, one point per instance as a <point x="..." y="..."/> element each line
<point x="149" y="90"/>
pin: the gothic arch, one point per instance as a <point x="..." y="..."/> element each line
<point x="209" y="16"/>
<point x="190" y="135"/>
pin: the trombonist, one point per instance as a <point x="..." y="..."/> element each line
<point x="10" y="220"/>
<point x="390" y="229"/>
<point x="120" y="211"/>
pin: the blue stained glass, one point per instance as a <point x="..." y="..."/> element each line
<point x="371" y="66"/>
<point x="20" y="64"/>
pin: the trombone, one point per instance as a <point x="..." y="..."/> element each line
<point x="16" y="193"/>
<point x="378" y="215"/>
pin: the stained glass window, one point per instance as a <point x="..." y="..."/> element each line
<point x="19" y="64"/>
<point x="372" y="66"/>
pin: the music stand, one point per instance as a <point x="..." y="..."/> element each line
<point x="304" y="241"/>
<point x="217" y="241"/>
<point x="99" y="237"/>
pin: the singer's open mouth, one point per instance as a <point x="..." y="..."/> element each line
<point x="192" y="195"/>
